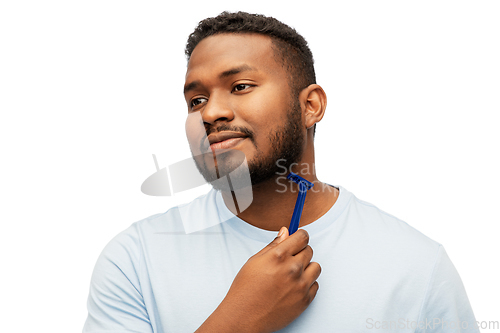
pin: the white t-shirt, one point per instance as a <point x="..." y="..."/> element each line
<point x="378" y="273"/>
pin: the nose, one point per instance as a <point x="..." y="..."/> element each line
<point x="217" y="109"/>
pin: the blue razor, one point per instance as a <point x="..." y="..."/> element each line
<point x="304" y="186"/>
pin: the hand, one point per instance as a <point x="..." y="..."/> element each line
<point x="273" y="287"/>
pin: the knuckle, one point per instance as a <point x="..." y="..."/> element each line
<point x="279" y="254"/>
<point x="303" y="285"/>
<point x="296" y="268"/>
<point x="316" y="287"/>
<point x="313" y="291"/>
<point x="305" y="235"/>
<point x="310" y="249"/>
<point x="308" y="298"/>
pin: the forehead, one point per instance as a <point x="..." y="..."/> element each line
<point x="219" y="52"/>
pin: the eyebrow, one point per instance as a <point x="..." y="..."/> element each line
<point x="233" y="71"/>
<point x="236" y="70"/>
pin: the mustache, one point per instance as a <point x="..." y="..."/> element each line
<point x="221" y="128"/>
<point x="226" y="127"/>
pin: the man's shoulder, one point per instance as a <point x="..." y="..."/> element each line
<point x="180" y="218"/>
<point x="378" y="226"/>
<point x="129" y="243"/>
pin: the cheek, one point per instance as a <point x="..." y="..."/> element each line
<point x="263" y="108"/>
<point x="196" y="134"/>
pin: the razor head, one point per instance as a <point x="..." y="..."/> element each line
<point x="307" y="185"/>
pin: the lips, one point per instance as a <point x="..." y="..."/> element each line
<point x="225" y="140"/>
<point x="222" y="136"/>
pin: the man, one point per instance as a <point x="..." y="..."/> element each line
<point x="250" y="84"/>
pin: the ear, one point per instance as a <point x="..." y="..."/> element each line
<point x="314" y="99"/>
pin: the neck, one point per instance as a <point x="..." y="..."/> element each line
<point x="274" y="200"/>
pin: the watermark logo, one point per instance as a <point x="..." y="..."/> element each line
<point x="284" y="185"/>
<point x="183" y="176"/>
<point x="438" y="324"/>
<point x="224" y="169"/>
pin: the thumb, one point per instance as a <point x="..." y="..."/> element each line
<point x="282" y="235"/>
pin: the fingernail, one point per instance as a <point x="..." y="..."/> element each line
<point x="282" y="230"/>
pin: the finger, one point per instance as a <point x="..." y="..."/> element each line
<point x="313" y="291"/>
<point x="285" y="234"/>
<point x="312" y="272"/>
<point x="305" y="255"/>
<point x="295" y="243"/>
<point x="282" y="235"/>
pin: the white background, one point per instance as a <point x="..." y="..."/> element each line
<point x="90" y="89"/>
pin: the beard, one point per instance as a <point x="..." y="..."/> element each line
<point x="287" y="147"/>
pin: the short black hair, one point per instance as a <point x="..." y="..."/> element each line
<point x="290" y="48"/>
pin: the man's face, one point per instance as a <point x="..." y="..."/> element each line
<point x="245" y="103"/>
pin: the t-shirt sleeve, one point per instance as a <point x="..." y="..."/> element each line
<point x="446" y="307"/>
<point x="115" y="303"/>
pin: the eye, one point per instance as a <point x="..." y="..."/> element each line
<point x="197" y="101"/>
<point x="241" y="87"/>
